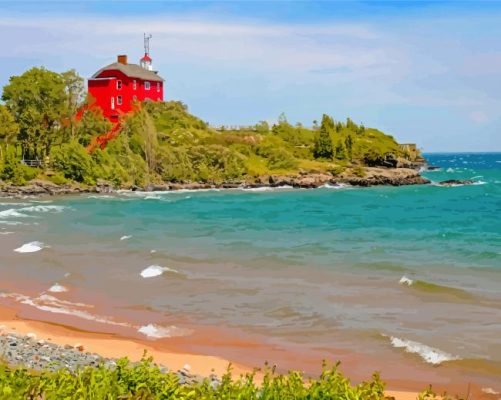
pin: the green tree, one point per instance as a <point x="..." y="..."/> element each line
<point x="38" y="101"/>
<point x="75" y="98"/>
<point x="348" y="142"/>
<point x="323" y="142"/>
<point x="73" y="161"/>
<point x="91" y="124"/>
<point x="9" y="129"/>
<point x="262" y="127"/>
<point x="340" y="151"/>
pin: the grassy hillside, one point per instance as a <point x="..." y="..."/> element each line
<point x="164" y="142"/>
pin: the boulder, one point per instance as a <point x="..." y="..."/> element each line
<point x="456" y="182"/>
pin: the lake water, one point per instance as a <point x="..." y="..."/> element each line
<point x="411" y="273"/>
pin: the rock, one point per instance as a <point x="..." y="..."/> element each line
<point x="456" y="182"/>
<point x="79" y="347"/>
<point x="31" y="335"/>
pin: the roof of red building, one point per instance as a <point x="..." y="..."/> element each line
<point x="131" y="70"/>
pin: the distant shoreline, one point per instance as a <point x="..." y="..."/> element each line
<point x="372" y="177"/>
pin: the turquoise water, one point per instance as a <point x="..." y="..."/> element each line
<point x="321" y="264"/>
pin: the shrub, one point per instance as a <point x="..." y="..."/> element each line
<point x="73" y="161"/>
<point x="144" y="380"/>
<point x="15" y="172"/>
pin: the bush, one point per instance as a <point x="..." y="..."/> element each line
<point x="144" y="380"/>
<point x="73" y="161"/>
<point x="15" y="172"/>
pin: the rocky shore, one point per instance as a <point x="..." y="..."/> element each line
<point x="369" y="176"/>
<point x="29" y="352"/>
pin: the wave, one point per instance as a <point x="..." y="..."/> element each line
<point x="433" y="288"/>
<point x="159" y="332"/>
<point x="31" y="247"/>
<point x="335" y="186"/>
<point x="405" y="281"/>
<point x="156" y="270"/>
<point x="6" y="233"/>
<point x="11" y="223"/>
<point x="125" y="237"/>
<point x="52" y="304"/>
<point x="43" y="209"/>
<point x="429" y="354"/>
<point x="12" y="212"/>
<point x="57" y="288"/>
<point x="265" y="188"/>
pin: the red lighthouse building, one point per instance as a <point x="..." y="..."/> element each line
<point x="117" y="86"/>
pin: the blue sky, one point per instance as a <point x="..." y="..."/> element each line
<point x="426" y="72"/>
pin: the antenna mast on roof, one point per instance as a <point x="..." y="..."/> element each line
<point x="147" y="43"/>
<point x="145" y="62"/>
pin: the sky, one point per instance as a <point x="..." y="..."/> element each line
<point x="427" y="72"/>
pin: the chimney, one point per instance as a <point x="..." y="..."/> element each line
<point x="122" y="59"/>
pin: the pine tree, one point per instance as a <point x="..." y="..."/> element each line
<point x="323" y="142"/>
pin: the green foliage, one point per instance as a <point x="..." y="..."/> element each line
<point x="92" y="124"/>
<point x="162" y="141"/>
<point x="73" y="161"/>
<point x="13" y="171"/>
<point x="144" y="380"/>
<point x="37" y="99"/>
<point x="323" y="142"/>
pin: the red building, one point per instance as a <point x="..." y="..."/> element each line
<point x="116" y="86"/>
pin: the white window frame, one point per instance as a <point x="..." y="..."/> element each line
<point x="146" y="85"/>
<point x="119" y="100"/>
<point x="134" y="84"/>
<point x="119" y="84"/>
<point x="134" y="98"/>
<point x="158" y="86"/>
<point x="112" y="103"/>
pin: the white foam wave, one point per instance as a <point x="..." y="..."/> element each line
<point x="266" y="188"/>
<point x="6" y="233"/>
<point x="159" y="332"/>
<point x="11" y="223"/>
<point x="12" y="212"/>
<point x="479" y="183"/>
<point x="449" y="170"/>
<point x="489" y="390"/>
<point x="43" y="209"/>
<point x="31" y="247"/>
<point x="57" y="288"/>
<point x="155" y="270"/>
<point x="51" y="304"/>
<point x="405" y="281"/>
<point x="101" y="196"/>
<point x="427" y="353"/>
<point x="335" y="186"/>
<point x="125" y="237"/>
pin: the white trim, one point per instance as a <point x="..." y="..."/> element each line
<point x="119" y="84"/>
<point x="112" y="103"/>
<point x="147" y="85"/>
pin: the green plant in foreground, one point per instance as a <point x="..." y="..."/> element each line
<point x="145" y="380"/>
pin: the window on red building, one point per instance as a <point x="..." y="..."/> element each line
<point x="158" y="86"/>
<point x="146" y="85"/>
<point x="119" y="85"/>
<point x="119" y="100"/>
<point x="134" y="84"/>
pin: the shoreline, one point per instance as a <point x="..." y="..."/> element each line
<point x="112" y="346"/>
<point x="176" y="357"/>
<point x="373" y="176"/>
